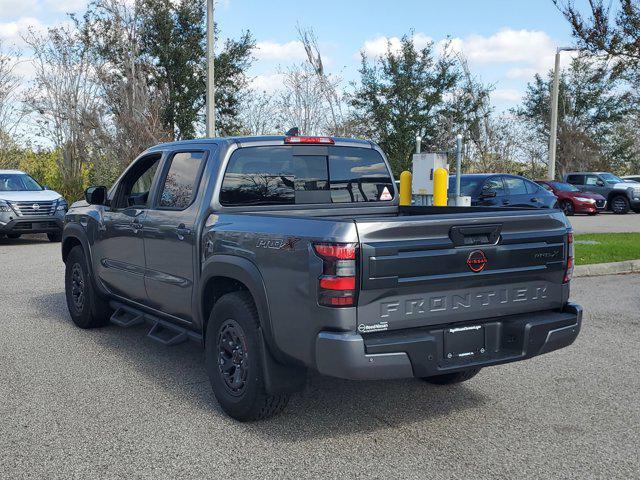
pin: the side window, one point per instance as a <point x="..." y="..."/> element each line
<point x="180" y="184"/>
<point x="515" y="185"/>
<point x="531" y="187"/>
<point x="546" y="187"/>
<point x="591" y="180"/>
<point x="493" y="185"/>
<point x="575" y="179"/>
<point x="259" y="176"/>
<point x="133" y="189"/>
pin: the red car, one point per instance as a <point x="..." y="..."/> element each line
<point x="572" y="200"/>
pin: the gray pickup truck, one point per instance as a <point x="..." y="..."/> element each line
<point x="282" y="254"/>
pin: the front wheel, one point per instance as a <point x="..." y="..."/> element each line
<point x="85" y="306"/>
<point x="451" y="378"/>
<point x="620" y="205"/>
<point x="234" y="360"/>
<point x="568" y="208"/>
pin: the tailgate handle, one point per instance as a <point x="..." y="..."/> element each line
<point x="475" y="235"/>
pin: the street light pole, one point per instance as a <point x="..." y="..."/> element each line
<point x="553" y="128"/>
<point x="210" y="98"/>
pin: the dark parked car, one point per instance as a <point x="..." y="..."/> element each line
<point x="572" y="200"/>
<point x="502" y="190"/>
<point x="279" y="254"/>
<point x="621" y="196"/>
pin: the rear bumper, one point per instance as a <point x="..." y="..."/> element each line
<point x="32" y="224"/>
<point x="420" y="352"/>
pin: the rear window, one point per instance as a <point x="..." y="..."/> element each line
<point x="285" y="175"/>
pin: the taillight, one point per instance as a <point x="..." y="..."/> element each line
<point x="321" y="140"/>
<point x="337" y="287"/>
<point x="570" y="253"/>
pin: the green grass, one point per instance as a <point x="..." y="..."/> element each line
<point x="611" y="247"/>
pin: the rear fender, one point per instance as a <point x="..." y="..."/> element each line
<point x="281" y="374"/>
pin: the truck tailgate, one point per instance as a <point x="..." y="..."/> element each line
<point x="436" y="269"/>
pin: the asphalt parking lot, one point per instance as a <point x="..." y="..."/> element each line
<point x="110" y="403"/>
<point x="606" y="223"/>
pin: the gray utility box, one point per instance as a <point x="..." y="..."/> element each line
<point x="424" y="165"/>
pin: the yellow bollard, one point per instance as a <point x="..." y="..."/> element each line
<point x="440" y="185"/>
<point x="405" y="188"/>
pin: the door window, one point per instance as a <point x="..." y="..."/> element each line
<point x="575" y="179"/>
<point x="515" y="185"/>
<point x="493" y="185"/>
<point x="591" y="180"/>
<point x="133" y="189"/>
<point x="180" y="183"/>
<point x="531" y="187"/>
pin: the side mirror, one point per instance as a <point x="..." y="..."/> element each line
<point x="96" y="195"/>
<point x="488" y="194"/>
<point x="600" y="183"/>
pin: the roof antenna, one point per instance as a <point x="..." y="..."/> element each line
<point x="293" y="132"/>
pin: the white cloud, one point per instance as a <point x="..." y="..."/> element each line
<point x="378" y="46"/>
<point x="268" y="50"/>
<point x="507" y="95"/>
<point x="269" y="82"/>
<point x="11" y="32"/>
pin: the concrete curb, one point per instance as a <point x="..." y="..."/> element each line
<point x="614" y="268"/>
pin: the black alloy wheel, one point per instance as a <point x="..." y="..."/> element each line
<point x="77" y="286"/>
<point x="233" y="361"/>
<point x="568" y="208"/>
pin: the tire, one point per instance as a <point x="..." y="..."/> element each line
<point x="620" y="205"/>
<point x="86" y="307"/>
<point x="452" y="378"/>
<point x="233" y="345"/>
<point x="55" y="237"/>
<point x="568" y="208"/>
<point x="14" y="236"/>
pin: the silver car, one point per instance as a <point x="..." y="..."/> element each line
<point x="28" y="207"/>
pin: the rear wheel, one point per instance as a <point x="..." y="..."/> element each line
<point x="620" y="205"/>
<point x="85" y="306"/>
<point x="451" y="378"/>
<point x="568" y="208"/>
<point x="54" y="237"/>
<point x="234" y="360"/>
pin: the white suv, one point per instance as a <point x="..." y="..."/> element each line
<point x="28" y="207"/>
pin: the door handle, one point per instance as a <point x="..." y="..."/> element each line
<point x="182" y="231"/>
<point x="505" y="202"/>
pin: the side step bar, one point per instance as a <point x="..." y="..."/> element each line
<point x="161" y="331"/>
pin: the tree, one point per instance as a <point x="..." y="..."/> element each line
<point x="591" y="108"/>
<point x="10" y="112"/>
<point x="609" y="30"/>
<point x="111" y="32"/>
<point x="173" y="34"/>
<point x="67" y="101"/>
<point x="400" y="95"/>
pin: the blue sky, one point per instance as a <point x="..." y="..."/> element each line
<point x="506" y="42"/>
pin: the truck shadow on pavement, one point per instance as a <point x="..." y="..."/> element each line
<point x="24" y="240"/>
<point x="328" y="407"/>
